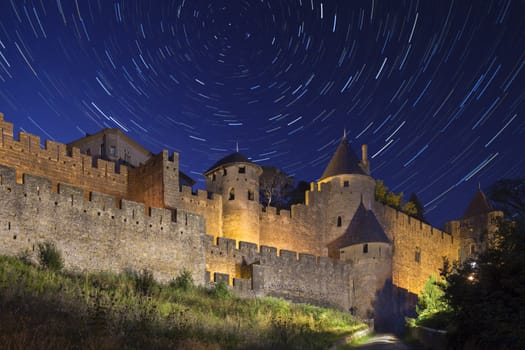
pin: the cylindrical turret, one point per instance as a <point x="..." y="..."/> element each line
<point x="237" y="180"/>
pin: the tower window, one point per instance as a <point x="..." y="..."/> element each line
<point x="224" y="172"/>
<point x="231" y="195"/>
<point x="213" y="177"/>
<point x="112" y="150"/>
<point x="365" y="248"/>
<point x="346" y="183"/>
<point x="417" y="256"/>
<point x="250" y="195"/>
<point x="242" y="170"/>
<point x="88" y="151"/>
<point x="339" y="221"/>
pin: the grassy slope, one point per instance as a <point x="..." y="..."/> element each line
<point x="48" y="310"/>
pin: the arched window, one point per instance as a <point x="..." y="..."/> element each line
<point x="251" y="196"/>
<point x="339" y="221"/>
<point x="365" y="248"/>
<point x="232" y="194"/>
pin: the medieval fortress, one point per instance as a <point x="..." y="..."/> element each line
<point x="109" y="204"/>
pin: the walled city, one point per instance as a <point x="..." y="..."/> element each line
<point x="109" y="204"/>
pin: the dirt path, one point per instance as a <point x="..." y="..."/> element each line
<point x="383" y="342"/>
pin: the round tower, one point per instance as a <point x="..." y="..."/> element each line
<point x="237" y="179"/>
<point x="345" y="183"/>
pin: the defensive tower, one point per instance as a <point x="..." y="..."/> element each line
<point x="236" y="178"/>
<point x="348" y="183"/>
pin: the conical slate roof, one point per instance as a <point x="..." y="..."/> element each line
<point x="478" y="205"/>
<point x="344" y="161"/>
<point x="230" y="159"/>
<point x="364" y="228"/>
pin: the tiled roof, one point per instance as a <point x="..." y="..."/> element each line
<point x="230" y="159"/>
<point x="344" y="161"/>
<point x="478" y="205"/>
<point x="364" y="228"/>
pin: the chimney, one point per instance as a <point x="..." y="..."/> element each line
<point x="364" y="153"/>
<point x="365" y="165"/>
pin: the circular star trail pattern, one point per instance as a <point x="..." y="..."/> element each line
<point x="436" y="89"/>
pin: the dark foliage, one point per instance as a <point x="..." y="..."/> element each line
<point x="487" y="295"/>
<point x="49" y="256"/>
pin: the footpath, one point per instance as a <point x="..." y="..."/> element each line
<point x="384" y="342"/>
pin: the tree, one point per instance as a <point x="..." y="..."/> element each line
<point x="417" y="207"/>
<point x="508" y="195"/>
<point x="383" y="195"/>
<point x="432" y="310"/>
<point x="487" y="295"/>
<point x="275" y="187"/>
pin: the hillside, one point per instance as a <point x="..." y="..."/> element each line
<point x="48" y="309"/>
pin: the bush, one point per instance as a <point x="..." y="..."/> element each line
<point x="221" y="291"/>
<point x="184" y="281"/>
<point x="145" y="282"/>
<point x="49" y="256"/>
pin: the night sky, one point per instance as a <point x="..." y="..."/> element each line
<point x="435" y="88"/>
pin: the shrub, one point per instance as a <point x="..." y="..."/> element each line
<point x="144" y="282"/>
<point x="184" y="281"/>
<point x="49" y="256"/>
<point x="221" y="291"/>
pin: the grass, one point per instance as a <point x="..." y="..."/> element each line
<point x="49" y="309"/>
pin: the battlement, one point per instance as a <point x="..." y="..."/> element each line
<point x="265" y="254"/>
<point x="413" y="225"/>
<point x="200" y="195"/>
<point x="37" y="188"/>
<point x="55" y="162"/>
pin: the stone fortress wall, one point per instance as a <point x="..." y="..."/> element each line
<point x="267" y="271"/>
<point x="99" y="233"/>
<point x="145" y="219"/>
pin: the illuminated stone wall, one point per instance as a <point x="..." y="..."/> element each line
<point x="94" y="235"/>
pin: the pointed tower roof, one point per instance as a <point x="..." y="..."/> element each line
<point x="344" y="161"/>
<point x="364" y="228"/>
<point x="478" y="205"/>
<point x="231" y="159"/>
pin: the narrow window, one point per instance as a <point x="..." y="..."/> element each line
<point x="339" y="221"/>
<point x="242" y="170"/>
<point x="213" y="177"/>
<point x="418" y="255"/>
<point x="346" y="183"/>
<point x="112" y="151"/>
<point x="224" y="172"/>
<point x="472" y="249"/>
<point x="365" y="248"/>
<point x="231" y="195"/>
<point x="250" y="195"/>
<point x="88" y="151"/>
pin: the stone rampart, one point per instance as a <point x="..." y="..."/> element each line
<point x="94" y="234"/>
<point x="204" y="203"/>
<point x="55" y="162"/>
<point x="267" y="271"/>
<point x="418" y="248"/>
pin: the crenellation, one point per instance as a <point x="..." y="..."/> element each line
<point x="308" y="259"/>
<point x="288" y="255"/>
<point x="226" y="244"/>
<point x="248" y="248"/>
<point x="134" y="210"/>
<point x="37" y="184"/>
<point x="102" y="201"/>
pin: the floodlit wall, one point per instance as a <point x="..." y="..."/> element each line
<point x="418" y="248"/>
<point x="94" y="235"/>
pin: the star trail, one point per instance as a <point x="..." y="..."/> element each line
<point x="435" y="88"/>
